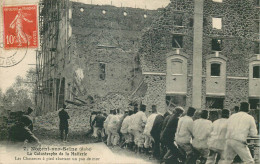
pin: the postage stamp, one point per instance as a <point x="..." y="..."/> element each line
<point x="20" y="26"/>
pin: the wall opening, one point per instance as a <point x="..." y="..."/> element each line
<point x="191" y="22"/>
<point x="220" y="1"/>
<point x="254" y="103"/>
<point x="215" y="69"/>
<point x="216" y="44"/>
<point x="256" y="71"/>
<point x="102" y="71"/>
<point x="178" y="18"/>
<point x="177" y="41"/>
<point x="214" y="102"/>
<point x="217" y="23"/>
<point x="176" y="100"/>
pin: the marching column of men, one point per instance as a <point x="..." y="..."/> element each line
<point x="178" y="137"/>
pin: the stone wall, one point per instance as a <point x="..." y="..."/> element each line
<point x="108" y="35"/>
<point x="238" y="33"/>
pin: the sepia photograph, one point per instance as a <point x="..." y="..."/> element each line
<point x="129" y="81"/>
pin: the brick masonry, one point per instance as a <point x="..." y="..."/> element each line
<point x="238" y="34"/>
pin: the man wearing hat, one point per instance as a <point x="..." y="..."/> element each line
<point x="64" y="125"/>
<point x="121" y="119"/>
<point x="183" y="135"/>
<point x="217" y="139"/>
<point x="168" y="134"/>
<point x="240" y="126"/>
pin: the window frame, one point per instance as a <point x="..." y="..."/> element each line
<point x="212" y="20"/>
<point x="220" y="64"/>
<point x="215" y="97"/>
<point x="180" y="16"/>
<point x="179" y="35"/>
<point x="255" y="65"/>
<point x="220" y="46"/>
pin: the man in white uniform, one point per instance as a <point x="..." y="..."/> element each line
<point x="240" y="126"/>
<point x="201" y="132"/>
<point x="139" y="121"/>
<point x="148" y="127"/>
<point x="183" y="135"/>
<point x="217" y="138"/>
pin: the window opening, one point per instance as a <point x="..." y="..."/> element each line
<point x="177" y="41"/>
<point x="215" y="69"/>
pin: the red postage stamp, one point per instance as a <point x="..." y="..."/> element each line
<point x="20" y="26"/>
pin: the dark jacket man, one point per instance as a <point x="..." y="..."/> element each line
<point x="168" y="134"/>
<point x="64" y="125"/>
<point x="155" y="133"/>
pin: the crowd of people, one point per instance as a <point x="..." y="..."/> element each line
<point x="176" y="137"/>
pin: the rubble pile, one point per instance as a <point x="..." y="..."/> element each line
<point x="113" y="101"/>
<point x="78" y="122"/>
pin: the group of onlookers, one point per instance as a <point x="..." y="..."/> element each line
<point x="176" y="137"/>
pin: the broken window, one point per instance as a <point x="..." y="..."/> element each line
<point x="215" y="69"/>
<point x="256" y="71"/>
<point x="178" y="19"/>
<point x="176" y="100"/>
<point x="177" y="41"/>
<point x="102" y="71"/>
<point x="214" y="102"/>
<point x="176" y="66"/>
<point x="216" y="23"/>
<point x="216" y="44"/>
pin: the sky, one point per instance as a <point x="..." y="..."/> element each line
<point x="8" y="75"/>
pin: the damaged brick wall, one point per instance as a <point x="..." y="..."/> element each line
<point x="107" y="37"/>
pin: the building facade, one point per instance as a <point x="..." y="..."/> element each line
<point x="88" y="52"/>
<point x="203" y="53"/>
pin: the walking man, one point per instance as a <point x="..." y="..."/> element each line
<point x="64" y="125"/>
<point x="98" y="123"/>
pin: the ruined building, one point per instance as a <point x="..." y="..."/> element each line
<point x="200" y="53"/>
<point x="203" y="53"/>
<point x="88" y="53"/>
